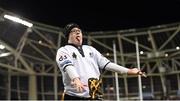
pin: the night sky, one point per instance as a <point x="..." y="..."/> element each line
<point x="97" y="15"/>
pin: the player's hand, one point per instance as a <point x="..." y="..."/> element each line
<point x="138" y="72"/>
<point x="80" y="87"/>
<point x="142" y="73"/>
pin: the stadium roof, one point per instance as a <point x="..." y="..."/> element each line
<point x="95" y="15"/>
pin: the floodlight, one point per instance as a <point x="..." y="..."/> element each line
<point x="4" y="54"/>
<point x="141" y="52"/>
<point x="177" y="48"/>
<point x="2" y="46"/>
<point x="18" y="20"/>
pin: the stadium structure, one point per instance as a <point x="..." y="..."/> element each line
<point x="29" y="71"/>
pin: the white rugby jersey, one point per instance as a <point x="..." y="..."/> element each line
<point x="87" y="62"/>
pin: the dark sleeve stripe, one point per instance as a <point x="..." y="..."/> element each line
<point x="66" y="66"/>
<point x="106" y="65"/>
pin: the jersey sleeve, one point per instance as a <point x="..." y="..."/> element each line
<point x="101" y="60"/>
<point x="63" y="59"/>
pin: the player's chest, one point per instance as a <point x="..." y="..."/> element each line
<point x="81" y="54"/>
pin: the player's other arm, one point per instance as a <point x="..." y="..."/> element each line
<point x="76" y="82"/>
<point x="65" y="64"/>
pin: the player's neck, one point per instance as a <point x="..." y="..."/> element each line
<point x="74" y="45"/>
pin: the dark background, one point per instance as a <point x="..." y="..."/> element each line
<point x="97" y="15"/>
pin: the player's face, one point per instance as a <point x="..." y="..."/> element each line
<point x="75" y="36"/>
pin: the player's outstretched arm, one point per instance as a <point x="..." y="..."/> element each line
<point x="123" y="70"/>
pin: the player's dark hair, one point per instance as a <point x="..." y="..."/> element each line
<point x="68" y="28"/>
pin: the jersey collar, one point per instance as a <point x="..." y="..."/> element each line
<point x="79" y="48"/>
